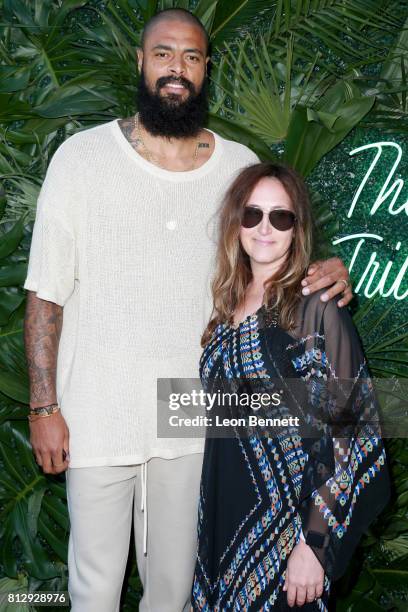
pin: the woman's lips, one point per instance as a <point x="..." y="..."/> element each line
<point x="264" y="242"/>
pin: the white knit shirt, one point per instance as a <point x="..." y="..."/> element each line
<point x="127" y="249"/>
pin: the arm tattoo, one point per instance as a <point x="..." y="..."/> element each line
<point x="42" y="330"/>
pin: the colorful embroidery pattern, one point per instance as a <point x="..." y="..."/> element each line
<point x="250" y="514"/>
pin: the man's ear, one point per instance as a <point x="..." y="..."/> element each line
<point x="139" y="54"/>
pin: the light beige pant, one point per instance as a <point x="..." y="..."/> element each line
<point x="100" y="509"/>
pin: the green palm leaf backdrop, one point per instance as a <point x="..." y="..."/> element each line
<point x="304" y="81"/>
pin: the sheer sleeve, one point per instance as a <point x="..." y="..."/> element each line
<point x="345" y="482"/>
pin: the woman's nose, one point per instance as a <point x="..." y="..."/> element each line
<point x="265" y="227"/>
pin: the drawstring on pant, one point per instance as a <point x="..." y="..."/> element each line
<point x="143" y="505"/>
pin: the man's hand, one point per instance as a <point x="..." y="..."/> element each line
<point x="304" y="576"/>
<point x="328" y="273"/>
<point x="49" y="436"/>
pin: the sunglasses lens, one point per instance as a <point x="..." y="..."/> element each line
<point x="282" y="220"/>
<point x="251" y="217"/>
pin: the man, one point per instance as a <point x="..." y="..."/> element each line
<point x="117" y="289"/>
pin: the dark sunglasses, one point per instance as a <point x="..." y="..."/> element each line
<point x="280" y="219"/>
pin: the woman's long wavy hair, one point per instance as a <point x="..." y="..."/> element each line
<point x="233" y="271"/>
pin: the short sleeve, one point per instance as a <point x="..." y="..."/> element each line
<point x="52" y="266"/>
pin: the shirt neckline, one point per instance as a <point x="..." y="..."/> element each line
<point x="252" y="316"/>
<point x="171" y="175"/>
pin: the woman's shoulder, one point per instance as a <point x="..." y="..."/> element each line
<point x="313" y="302"/>
<point x="312" y="311"/>
<point x="311" y="305"/>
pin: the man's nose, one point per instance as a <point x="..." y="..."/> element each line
<point x="177" y="66"/>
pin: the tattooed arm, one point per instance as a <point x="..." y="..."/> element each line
<point x="49" y="436"/>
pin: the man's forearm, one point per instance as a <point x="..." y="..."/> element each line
<point x="42" y="330"/>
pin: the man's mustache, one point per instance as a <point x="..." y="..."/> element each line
<point x="162" y="81"/>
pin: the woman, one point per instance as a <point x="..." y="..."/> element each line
<point x="281" y="511"/>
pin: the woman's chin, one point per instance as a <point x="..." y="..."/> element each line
<point x="264" y="258"/>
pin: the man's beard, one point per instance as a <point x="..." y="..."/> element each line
<point x="167" y="115"/>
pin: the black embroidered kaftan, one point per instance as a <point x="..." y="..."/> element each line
<point x="258" y="490"/>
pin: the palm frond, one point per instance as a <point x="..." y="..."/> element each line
<point x="259" y="88"/>
<point x="385" y="346"/>
<point x="346" y="28"/>
<point x="23" y="493"/>
<point x="235" y="19"/>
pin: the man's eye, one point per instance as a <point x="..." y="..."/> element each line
<point x="161" y="54"/>
<point x="194" y="58"/>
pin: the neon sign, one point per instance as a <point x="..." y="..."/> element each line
<point x="377" y="277"/>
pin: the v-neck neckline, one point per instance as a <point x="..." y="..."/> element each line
<point x="249" y="316"/>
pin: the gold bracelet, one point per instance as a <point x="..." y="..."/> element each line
<point x="37" y="408"/>
<point x="43" y="409"/>
<point x="34" y="416"/>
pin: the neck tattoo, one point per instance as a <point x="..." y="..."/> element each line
<point x="151" y="157"/>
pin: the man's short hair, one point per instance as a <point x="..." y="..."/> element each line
<point x="174" y="14"/>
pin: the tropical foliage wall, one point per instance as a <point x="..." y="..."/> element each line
<point x="291" y="79"/>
